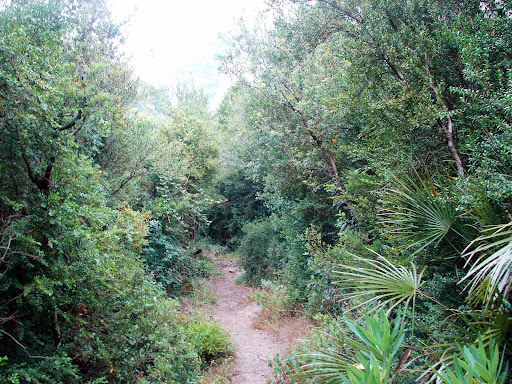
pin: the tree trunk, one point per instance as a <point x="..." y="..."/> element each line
<point x="331" y="162"/>
<point x="448" y="133"/>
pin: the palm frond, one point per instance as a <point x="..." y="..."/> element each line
<point x="385" y="283"/>
<point x="327" y="366"/>
<point x="489" y="275"/>
<point x="420" y="213"/>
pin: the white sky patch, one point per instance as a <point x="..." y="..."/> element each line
<point x="176" y="41"/>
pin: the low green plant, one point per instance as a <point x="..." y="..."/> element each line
<point x="272" y="296"/>
<point x="282" y="369"/>
<point x="372" y="353"/>
<point x="209" y="340"/>
<point x="201" y="291"/>
<point x="241" y="278"/>
<point x="475" y="363"/>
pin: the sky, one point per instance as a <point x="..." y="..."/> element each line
<point x="176" y="41"/>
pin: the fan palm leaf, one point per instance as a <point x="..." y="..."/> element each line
<point x="420" y="212"/>
<point x="385" y="283"/>
<point x="489" y="275"/>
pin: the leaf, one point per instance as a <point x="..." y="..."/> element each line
<point x="420" y="212"/>
<point x="386" y="283"/>
<point x="489" y="275"/>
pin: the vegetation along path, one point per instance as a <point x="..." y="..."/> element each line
<point x="241" y="317"/>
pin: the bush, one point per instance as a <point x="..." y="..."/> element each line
<point x="209" y="340"/>
<point x="170" y="263"/>
<point x="88" y="308"/>
<point x="260" y="256"/>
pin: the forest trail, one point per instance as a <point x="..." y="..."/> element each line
<point x="238" y="315"/>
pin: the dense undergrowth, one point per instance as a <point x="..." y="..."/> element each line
<point x="361" y="166"/>
<point x="102" y="198"/>
<point x="376" y="135"/>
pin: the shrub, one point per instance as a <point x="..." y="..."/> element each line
<point x="260" y="256"/>
<point x="209" y="340"/>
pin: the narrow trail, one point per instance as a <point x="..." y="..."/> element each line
<point x="237" y="313"/>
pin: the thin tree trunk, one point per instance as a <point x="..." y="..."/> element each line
<point x="332" y="167"/>
<point x="448" y="133"/>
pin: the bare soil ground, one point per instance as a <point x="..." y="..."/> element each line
<point x="257" y="340"/>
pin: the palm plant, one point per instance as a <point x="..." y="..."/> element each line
<point x="486" y="327"/>
<point x="489" y="275"/>
<point x="420" y="212"/>
<point x="475" y="364"/>
<point x="380" y="283"/>
<point x="369" y="356"/>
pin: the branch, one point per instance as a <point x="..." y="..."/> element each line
<point x="448" y="133"/>
<point x="390" y="64"/>
<point x="43" y="182"/>
<point x="126" y="181"/>
<point x="342" y="10"/>
<point x="390" y="19"/>
<point x="25" y="348"/>
<point x="333" y="170"/>
<point x="24" y="155"/>
<point x="72" y="123"/>
<point x="448" y="127"/>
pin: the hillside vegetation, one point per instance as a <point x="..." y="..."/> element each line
<point x="361" y="167"/>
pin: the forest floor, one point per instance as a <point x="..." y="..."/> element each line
<point x="257" y="334"/>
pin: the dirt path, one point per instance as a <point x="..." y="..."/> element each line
<point x="237" y="313"/>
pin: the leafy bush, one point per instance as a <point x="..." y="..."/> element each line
<point x="239" y="207"/>
<point x="209" y="340"/>
<point x="167" y="260"/>
<point x="260" y="256"/>
<point x="272" y="296"/>
<point x="94" y="314"/>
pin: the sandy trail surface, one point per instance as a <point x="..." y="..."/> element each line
<point x="237" y="314"/>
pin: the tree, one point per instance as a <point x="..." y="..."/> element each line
<point x="75" y="304"/>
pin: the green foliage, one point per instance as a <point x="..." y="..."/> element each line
<point x="239" y="207"/>
<point x="259" y="256"/>
<point x="369" y="356"/>
<point x="282" y="369"/>
<point x="209" y="340"/>
<point x="385" y="283"/>
<point x="421" y="213"/>
<point x="490" y="274"/>
<point x="76" y="304"/>
<point x="374" y="351"/>
<point x="334" y="100"/>
<point x="476" y="363"/>
<point x="321" y="295"/>
<point x="272" y="297"/>
<point x="347" y="97"/>
<point x="167" y="260"/>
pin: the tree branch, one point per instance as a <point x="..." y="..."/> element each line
<point x="72" y="123"/>
<point x="448" y="133"/>
<point x="333" y="170"/>
<point x="25" y="348"/>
